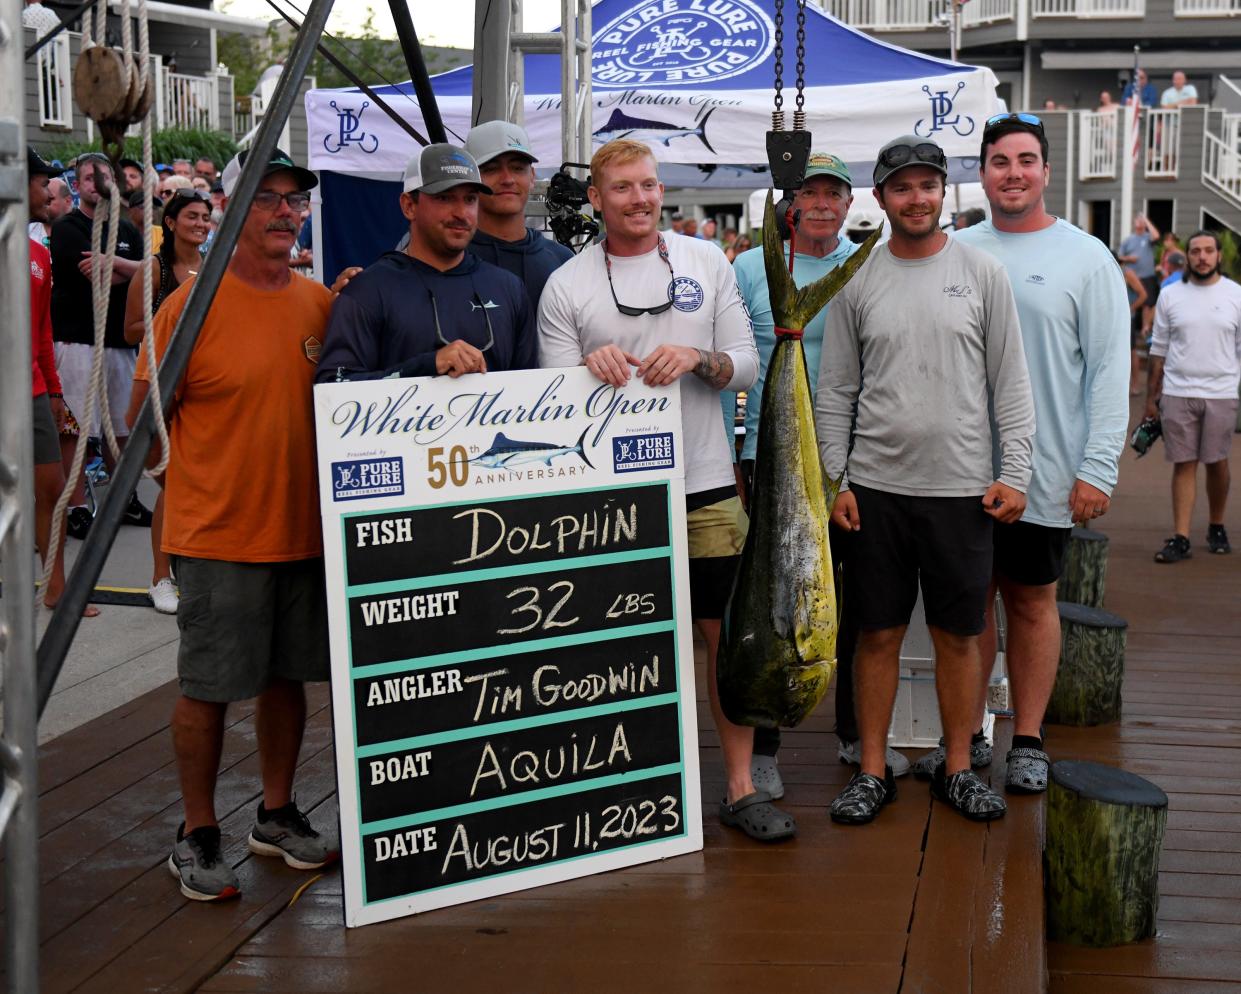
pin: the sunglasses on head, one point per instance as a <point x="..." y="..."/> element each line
<point x="186" y="193"/>
<point x="1026" y="119"/>
<point x="901" y="155"/>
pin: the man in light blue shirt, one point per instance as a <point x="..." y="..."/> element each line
<point x="823" y="202"/>
<point x="1075" y="330"/>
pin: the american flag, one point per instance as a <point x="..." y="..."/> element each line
<point x="1134" y="111"/>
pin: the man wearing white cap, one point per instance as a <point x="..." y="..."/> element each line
<point x="432" y="308"/>
<point x="502" y="151"/>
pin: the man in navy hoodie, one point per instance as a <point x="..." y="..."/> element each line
<point x="502" y="151"/>
<point x="432" y="308"/>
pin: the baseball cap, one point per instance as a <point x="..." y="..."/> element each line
<point x="163" y="167"/>
<point x="1176" y="259"/>
<point x="826" y="164"/>
<point x="440" y="167"/>
<point x="36" y="165"/>
<point x="135" y="199"/>
<point x="279" y="162"/>
<point x="487" y="141"/>
<point x="908" y="150"/>
<point x="678" y="216"/>
<point x="129" y="162"/>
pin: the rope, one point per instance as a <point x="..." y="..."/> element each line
<point x="103" y="259"/>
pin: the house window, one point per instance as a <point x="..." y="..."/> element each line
<point x="53" y="67"/>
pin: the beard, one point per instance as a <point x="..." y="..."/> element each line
<point x="1203" y="277"/>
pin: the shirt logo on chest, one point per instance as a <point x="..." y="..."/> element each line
<point x="312" y="347"/>
<point x="1036" y="279"/>
<point x="959" y="290"/>
<point x="685" y="294"/>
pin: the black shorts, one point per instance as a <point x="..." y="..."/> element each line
<point x="717" y="526"/>
<point x="944" y="542"/>
<point x="1030" y="554"/>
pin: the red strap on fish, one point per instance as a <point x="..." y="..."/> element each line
<point x="795" y="333"/>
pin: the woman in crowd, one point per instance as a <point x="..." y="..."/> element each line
<point x="186" y="221"/>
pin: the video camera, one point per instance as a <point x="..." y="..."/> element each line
<point x="566" y="196"/>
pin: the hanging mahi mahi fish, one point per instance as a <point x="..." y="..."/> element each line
<point x="778" y="648"/>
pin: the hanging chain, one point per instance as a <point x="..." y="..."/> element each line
<point x="777" y="115"/>
<point x="799" y="115"/>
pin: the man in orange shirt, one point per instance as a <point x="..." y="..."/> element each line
<point x="241" y="520"/>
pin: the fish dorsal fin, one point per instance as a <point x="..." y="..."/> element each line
<point x="501" y="439"/>
<point x="617" y="120"/>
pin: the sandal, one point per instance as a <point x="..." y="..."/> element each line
<point x="980" y="757"/>
<point x="1027" y="771"/>
<point x="755" y="815"/>
<point x="765" y="773"/>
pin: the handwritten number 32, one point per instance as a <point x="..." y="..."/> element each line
<point x="531" y="606"/>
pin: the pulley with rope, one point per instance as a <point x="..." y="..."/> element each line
<point x="115" y="90"/>
<point x="788" y="151"/>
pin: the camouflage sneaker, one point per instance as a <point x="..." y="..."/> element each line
<point x="286" y="833"/>
<point x="980" y="757"/>
<point x="863" y="797"/>
<point x="196" y="861"/>
<point x="966" y="792"/>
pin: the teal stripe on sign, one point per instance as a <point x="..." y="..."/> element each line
<point x="502" y="651"/>
<point x="499" y="572"/>
<point x="515" y="725"/>
<point x="526" y="797"/>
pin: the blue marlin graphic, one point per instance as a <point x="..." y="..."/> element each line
<point x="621" y="125"/>
<point x="506" y="453"/>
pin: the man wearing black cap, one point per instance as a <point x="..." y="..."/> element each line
<point x="502" y="151"/>
<point x="73" y="321"/>
<point x="915" y="345"/>
<point x="241" y="519"/>
<point x="131" y="173"/>
<point x="432" y="308"/>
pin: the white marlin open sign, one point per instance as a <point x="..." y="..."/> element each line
<point x="681" y="42"/>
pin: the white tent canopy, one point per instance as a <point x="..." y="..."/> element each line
<point x="694" y="79"/>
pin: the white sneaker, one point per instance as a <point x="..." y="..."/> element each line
<point x="164" y="596"/>
<point x="851" y="753"/>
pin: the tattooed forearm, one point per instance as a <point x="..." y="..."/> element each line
<point x="714" y="368"/>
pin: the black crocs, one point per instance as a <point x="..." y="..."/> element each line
<point x="755" y="815"/>
<point x="863" y="797"/>
<point x="968" y="795"/>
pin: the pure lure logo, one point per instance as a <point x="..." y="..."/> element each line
<point x="681" y="42"/>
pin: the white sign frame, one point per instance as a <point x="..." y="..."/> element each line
<point x="628" y="437"/>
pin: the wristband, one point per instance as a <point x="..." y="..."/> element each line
<point x="56" y="396"/>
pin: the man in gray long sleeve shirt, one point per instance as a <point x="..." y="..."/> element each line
<point x="916" y="345"/>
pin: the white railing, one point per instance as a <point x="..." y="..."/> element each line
<point x="888" y="15"/>
<point x="1163" y="143"/>
<point x="1221" y="168"/>
<point x="1096" y="151"/>
<point x="191" y="101"/>
<point x="1088" y="8"/>
<point x="55" y="99"/>
<point x="1207" y="8"/>
<point x="986" y="12"/>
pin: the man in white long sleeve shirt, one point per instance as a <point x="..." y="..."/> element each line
<point x="667" y="308"/>
<point x="1074" y="325"/>
<point x="916" y="344"/>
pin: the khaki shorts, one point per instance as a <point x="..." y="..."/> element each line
<point x="246" y="624"/>
<point x="1197" y="429"/>
<point x="716" y="537"/>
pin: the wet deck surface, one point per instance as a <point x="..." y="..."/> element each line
<point x="920" y="901"/>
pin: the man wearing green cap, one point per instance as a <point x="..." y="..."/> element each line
<point x="821" y="206"/>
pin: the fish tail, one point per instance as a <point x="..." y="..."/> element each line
<point x="580" y="448"/>
<point x="702" y="131"/>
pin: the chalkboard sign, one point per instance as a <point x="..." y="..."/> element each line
<point x="512" y="664"/>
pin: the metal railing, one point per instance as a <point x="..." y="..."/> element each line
<point x="1207" y="8"/>
<point x="1161" y="151"/>
<point x="987" y="12"/>
<point x="1221" y="160"/>
<point x="1097" y="144"/>
<point x="191" y="101"/>
<point x="888" y="15"/>
<point x="1088" y="8"/>
<point x="54" y="64"/>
